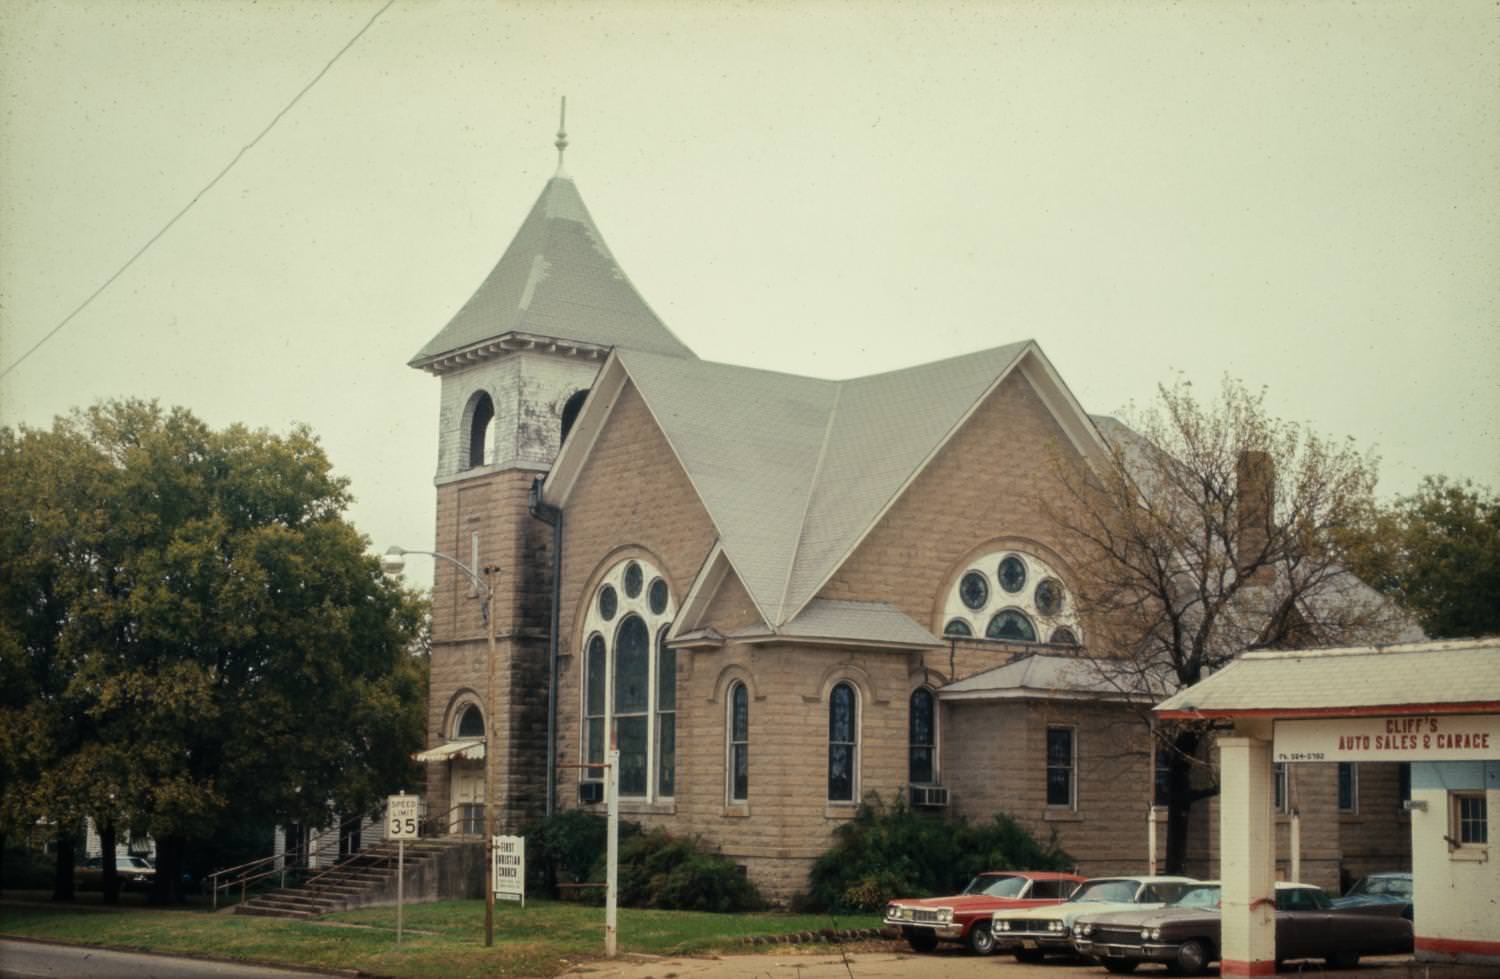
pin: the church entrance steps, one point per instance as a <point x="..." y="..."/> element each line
<point x="433" y="870"/>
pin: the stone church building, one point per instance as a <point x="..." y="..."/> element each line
<point x="774" y="594"/>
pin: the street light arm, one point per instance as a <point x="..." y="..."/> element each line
<point x="398" y="552"/>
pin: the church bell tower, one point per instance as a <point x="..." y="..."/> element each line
<point x="515" y="363"/>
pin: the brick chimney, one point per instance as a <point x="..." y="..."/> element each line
<point x="1255" y="497"/>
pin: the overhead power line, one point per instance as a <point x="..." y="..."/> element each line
<point x="206" y="188"/>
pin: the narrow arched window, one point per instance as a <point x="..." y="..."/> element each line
<point x="666" y="715"/>
<point x="632" y="681"/>
<point x="471" y="722"/>
<point x="593" y="705"/>
<point x="921" y="739"/>
<point x="739" y="743"/>
<point x="843" y="743"/>
<point x="479" y="430"/>
<point x="570" y="411"/>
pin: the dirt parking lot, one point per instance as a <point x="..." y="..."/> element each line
<point x="869" y="963"/>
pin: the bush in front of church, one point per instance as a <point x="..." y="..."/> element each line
<point x="887" y="852"/>
<point x="678" y="873"/>
<point x="657" y="869"/>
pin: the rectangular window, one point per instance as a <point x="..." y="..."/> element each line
<point x="1470" y="818"/>
<point x="666" y="717"/>
<point x="1404" y="778"/>
<point x="1279" y="778"/>
<point x="1348" y="787"/>
<point x="1060" y="767"/>
<point x="1162" y="794"/>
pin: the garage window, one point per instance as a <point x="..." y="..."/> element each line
<point x="1470" y="818"/>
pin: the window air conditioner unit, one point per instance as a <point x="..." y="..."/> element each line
<point x="929" y="795"/>
<point x="590" y="791"/>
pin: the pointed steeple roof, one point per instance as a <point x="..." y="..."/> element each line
<point x="557" y="280"/>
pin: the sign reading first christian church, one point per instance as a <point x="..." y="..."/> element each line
<point x="1442" y="737"/>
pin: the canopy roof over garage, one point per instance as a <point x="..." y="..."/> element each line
<point x="1459" y="676"/>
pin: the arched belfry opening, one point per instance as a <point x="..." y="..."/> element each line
<point x="470" y="723"/>
<point x="570" y="412"/>
<point x="480" y="418"/>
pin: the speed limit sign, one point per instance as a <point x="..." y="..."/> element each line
<point x="401" y="817"/>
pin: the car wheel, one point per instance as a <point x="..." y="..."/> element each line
<point x="1029" y="955"/>
<point x="1343" y="960"/>
<point x="1192" y="958"/>
<point x="1119" y="967"/>
<point x="921" y="941"/>
<point x="980" y="941"/>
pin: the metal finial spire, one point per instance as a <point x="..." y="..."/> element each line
<point x="562" y="135"/>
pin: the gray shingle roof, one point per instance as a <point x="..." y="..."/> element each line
<point x="557" y="279"/>
<point x="1038" y="675"/>
<point x="873" y="622"/>
<point x="794" y="470"/>
<point x="1452" y="672"/>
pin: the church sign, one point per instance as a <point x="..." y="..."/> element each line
<point x="1448" y="737"/>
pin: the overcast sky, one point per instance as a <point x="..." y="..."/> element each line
<point x="1304" y="196"/>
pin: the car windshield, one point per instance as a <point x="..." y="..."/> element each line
<point x="132" y="863"/>
<point x="1198" y="897"/>
<point x="1384" y="887"/>
<point x="992" y="885"/>
<point x="1108" y="890"/>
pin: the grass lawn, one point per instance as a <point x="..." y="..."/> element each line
<point x="444" y="939"/>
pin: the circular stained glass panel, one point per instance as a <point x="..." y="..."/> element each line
<point x="1012" y="573"/>
<point x="957" y="627"/>
<point x="608" y="602"/>
<point x="658" y="596"/>
<point x="1063" y="636"/>
<point x="1049" y="596"/>
<point x="1011" y="624"/>
<point x="974" y="590"/>
<point x="632" y="580"/>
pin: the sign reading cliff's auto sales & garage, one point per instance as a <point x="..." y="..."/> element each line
<point x="1439" y="737"/>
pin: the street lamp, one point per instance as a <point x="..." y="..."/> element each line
<point x="392" y="562"/>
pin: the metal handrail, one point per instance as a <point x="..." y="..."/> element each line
<point x="280" y="861"/>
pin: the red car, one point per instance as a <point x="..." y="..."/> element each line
<point x="966" y="917"/>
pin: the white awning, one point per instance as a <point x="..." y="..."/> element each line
<point x="466" y="750"/>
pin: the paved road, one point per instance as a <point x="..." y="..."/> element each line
<point x="31" y="960"/>
<point x="946" y="964"/>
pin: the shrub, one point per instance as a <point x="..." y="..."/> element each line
<point x="564" y="848"/>
<point x="886" y="852"/>
<point x="658" y="870"/>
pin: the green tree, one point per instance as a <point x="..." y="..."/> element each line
<point x="1437" y="552"/>
<point x="200" y="638"/>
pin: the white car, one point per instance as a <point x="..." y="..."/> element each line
<point x="1031" y="934"/>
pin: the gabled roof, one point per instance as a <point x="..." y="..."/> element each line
<point x="1456" y="675"/>
<point x="556" y="280"/>
<point x="795" y="471"/>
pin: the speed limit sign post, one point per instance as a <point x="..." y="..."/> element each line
<point x="401" y="825"/>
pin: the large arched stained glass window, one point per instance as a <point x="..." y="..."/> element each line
<point x="632" y="682"/>
<point x="1013" y="597"/>
<point x="739" y="743"/>
<point x="922" y="739"/>
<point x="843" y="743"/>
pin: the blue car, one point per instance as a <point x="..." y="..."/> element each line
<point x="1377" y="890"/>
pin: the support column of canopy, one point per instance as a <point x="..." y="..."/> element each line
<point x="1247" y="861"/>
